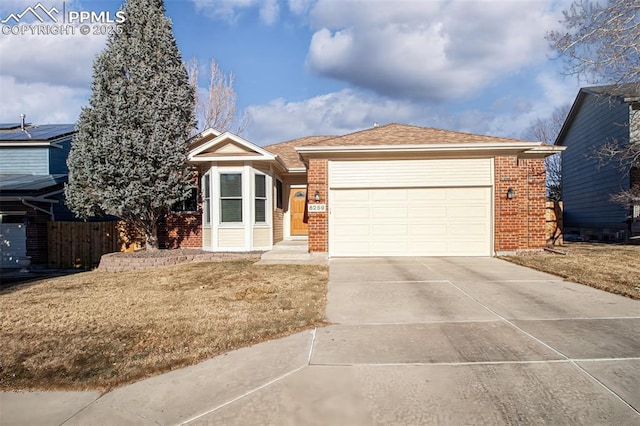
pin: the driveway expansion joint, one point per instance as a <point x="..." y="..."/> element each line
<point x="258" y="388"/>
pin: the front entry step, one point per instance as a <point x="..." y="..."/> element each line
<point x="292" y="252"/>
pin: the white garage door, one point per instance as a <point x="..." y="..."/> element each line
<point x="391" y="220"/>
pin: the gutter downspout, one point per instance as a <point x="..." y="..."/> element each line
<point x="49" y="212"/>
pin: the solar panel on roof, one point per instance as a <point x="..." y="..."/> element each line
<point x="41" y="133"/>
<point x="9" y="126"/>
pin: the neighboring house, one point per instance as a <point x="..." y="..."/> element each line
<point x="33" y="171"/>
<point x="392" y="190"/>
<point x="599" y="115"/>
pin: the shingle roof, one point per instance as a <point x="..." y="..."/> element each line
<point x="625" y="90"/>
<point x="287" y="153"/>
<point x="30" y="183"/>
<point x="389" y="134"/>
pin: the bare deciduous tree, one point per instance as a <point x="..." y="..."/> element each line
<point x="601" y="44"/>
<point x="546" y="130"/>
<point x="218" y="108"/>
<point x="601" y="41"/>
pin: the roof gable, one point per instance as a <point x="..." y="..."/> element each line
<point x="620" y="93"/>
<point x="216" y="146"/>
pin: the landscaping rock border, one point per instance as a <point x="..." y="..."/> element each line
<point x="119" y="262"/>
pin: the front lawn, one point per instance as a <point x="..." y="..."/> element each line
<point x="99" y="330"/>
<point x="610" y="267"/>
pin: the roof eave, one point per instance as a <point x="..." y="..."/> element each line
<point x="444" y="147"/>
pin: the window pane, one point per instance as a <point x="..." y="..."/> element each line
<point x="278" y="194"/>
<point x="205" y="186"/>
<point x="231" y="210"/>
<point x="231" y="185"/>
<point x="206" y="209"/>
<point x="261" y="211"/>
<point x="261" y="190"/>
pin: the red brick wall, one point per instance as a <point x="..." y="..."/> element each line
<point x="520" y="222"/>
<point x="183" y="230"/>
<point x="318" y="221"/>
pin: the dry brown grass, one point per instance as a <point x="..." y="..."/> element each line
<point x="100" y="330"/>
<point x="611" y="267"/>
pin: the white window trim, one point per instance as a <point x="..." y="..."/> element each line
<point x="207" y="177"/>
<point x="230" y="171"/>
<point x="266" y="199"/>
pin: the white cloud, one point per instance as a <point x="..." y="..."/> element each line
<point x="41" y="102"/>
<point x="429" y="50"/>
<point x="230" y="10"/>
<point x="269" y="12"/>
<point x="330" y="114"/>
<point x="46" y="77"/>
<point x="300" y="7"/>
<point x="351" y="110"/>
<point x="64" y="60"/>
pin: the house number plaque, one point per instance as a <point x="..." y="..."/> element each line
<point x="315" y="208"/>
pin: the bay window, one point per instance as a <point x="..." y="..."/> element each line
<point x="260" y="202"/>
<point x="230" y="197"/>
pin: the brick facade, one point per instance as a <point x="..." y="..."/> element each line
<point x="520" y="223"/>
<point x="181" y="230"/>
<point x="318" y="221"/>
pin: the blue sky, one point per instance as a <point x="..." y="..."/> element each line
<point x="316" y="67"/>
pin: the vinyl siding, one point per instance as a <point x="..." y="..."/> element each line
<point x="261" y="237"/>
<point x="206" y="237"/>
<point x="58" y="157"/>
<point x="230" y="237"/>
<point x="28" y="161"/>
<point x="587" y="185"/>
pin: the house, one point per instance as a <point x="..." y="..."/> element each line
<point x="599" y="115"/>
<point x="392" y="190"/>
<point x="33" y="171"/>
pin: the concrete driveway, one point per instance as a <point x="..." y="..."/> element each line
<point x="414" y="341"/>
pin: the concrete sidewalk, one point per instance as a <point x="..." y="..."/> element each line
<point x="173" y="398"/>
<point x="414" y="341"/>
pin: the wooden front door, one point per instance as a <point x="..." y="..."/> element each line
<point x="297" y="198"/>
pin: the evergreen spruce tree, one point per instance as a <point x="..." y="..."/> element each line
<point x="128" y="158"/>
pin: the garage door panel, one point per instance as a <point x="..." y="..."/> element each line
<point x="351" y="212"/>
<point x="427" y="230"/>
<point x="390" y="229"/>
<point x="466" y="212"/>
<point x="420" y="194"/>
<point x="352" y="195"/>
<point x="468" y="194"/>
<point x="469" y="231"/>
<point x="428" y="213"/>
<point x="389" y="212"/>
<point x="390" y="248"/>
<point x="430" y="222"/>
<point x="351" y="229"/>
<point x="386" y="195"/>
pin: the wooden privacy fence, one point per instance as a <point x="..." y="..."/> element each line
<point x="79" y="245"/>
